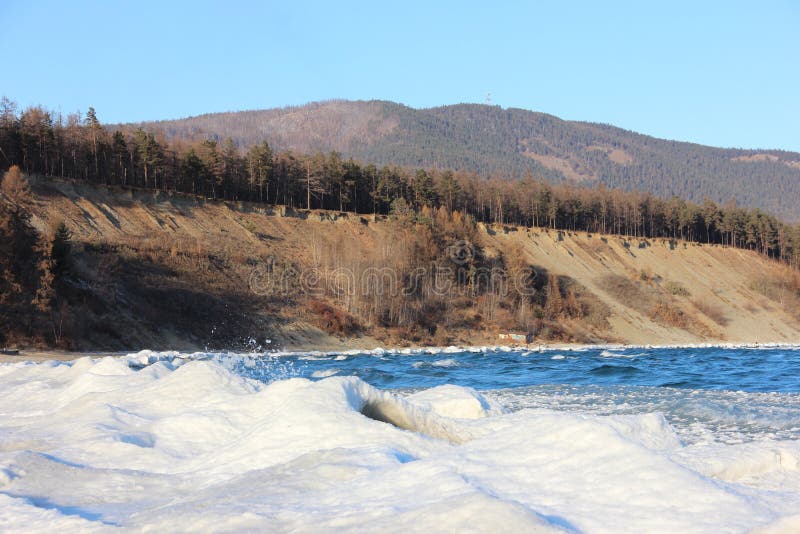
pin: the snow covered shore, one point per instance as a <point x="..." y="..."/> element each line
<point x="155" y="441"/>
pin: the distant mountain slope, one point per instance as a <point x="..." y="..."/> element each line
<point x="513" y="142"/>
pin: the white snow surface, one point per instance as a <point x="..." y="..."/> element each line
<point x="157" y="442"/>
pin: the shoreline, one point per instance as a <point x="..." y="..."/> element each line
<point x="41" y="356"/>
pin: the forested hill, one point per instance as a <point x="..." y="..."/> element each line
<point x="510" y="143"/>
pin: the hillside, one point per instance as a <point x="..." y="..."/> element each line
<point x="161" y="270"/>
<point x="512" y="142"/>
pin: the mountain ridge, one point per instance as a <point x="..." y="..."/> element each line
<point x="510" y="142"/>
<point x="601" y="124"/>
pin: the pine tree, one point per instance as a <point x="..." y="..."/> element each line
<point x="193" y="171"/>
<point x="259" y="168"/>
<point x="61" y="252"/>
<point x="314" y="186"/>
<point x="119" y="150"/>
<point x="93" y="128"/>
<point x="150" y="153"/>
<point x="212" y="161"/>
<point x="711" y="217"/>
<point x="231" y="170"/>
<point x="334" y="176"/>
<point x="389" y="187"/>
<point x="449" y="188"/>
<point x="424" y="189"/>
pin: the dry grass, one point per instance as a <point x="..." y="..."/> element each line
<point x="594" y="313"/>
<point x="332" y="320"/>
<point x="781" y="285"/>
<point x="665" y="313"/>
<point x="712" y="311"/>
<point x="676" y="288"/>
<point x="629" y="292"/>
<point x="654" y="302"/>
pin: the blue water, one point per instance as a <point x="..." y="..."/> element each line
<point x="730" y="395"/>
<point x="735" y="369"/>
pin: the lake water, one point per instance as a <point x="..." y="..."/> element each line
<point x="736" y="369"/>
<point x="731" y="394"/>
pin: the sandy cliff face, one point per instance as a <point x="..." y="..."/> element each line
<point x="651" y="291"/>
<point x="716" y="288"/>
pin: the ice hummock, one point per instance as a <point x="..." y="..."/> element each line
<point x="164" y="442"/>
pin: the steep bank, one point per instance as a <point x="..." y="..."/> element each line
<point x="164" y="270"/>
<point x="724" y="293"/>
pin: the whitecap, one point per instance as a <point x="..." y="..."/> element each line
<point x="324" y="373"/>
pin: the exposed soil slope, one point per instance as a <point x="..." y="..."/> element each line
<point x="168" y="271"/>
<point x="717" y="289"/>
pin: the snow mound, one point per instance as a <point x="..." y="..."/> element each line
<point x="456" y="402"/>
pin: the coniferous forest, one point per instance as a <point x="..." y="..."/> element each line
<point x="79" y="147"/>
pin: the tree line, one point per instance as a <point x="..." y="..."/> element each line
<point x="79" y="147"/>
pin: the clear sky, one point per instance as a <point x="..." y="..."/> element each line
<point x="721" y="73"/>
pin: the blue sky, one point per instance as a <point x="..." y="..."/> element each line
<point x="720" y="73"/>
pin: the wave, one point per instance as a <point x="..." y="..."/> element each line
<point x="608" y="349"/>
<point x="614" y="370"/>
<point x="618" y="353"/>
<point x="324" y="373"/>
<point x="449" y="362"/>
